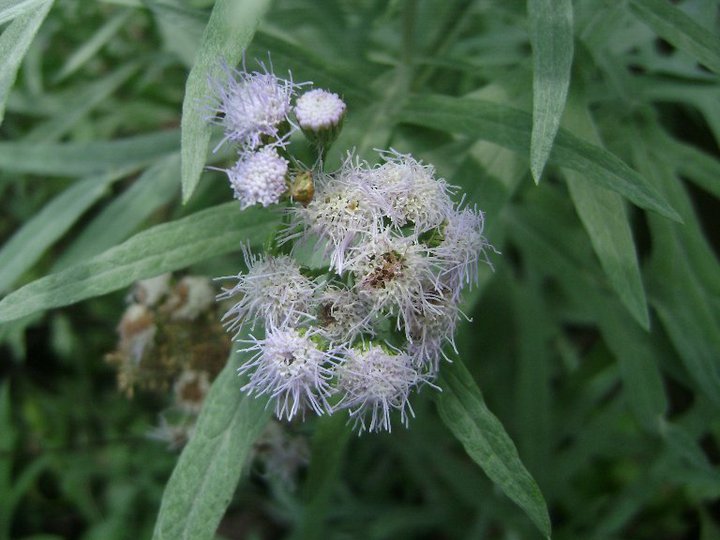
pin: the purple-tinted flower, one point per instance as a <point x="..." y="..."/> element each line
<point x="289" y="367"/>
<point x="273" y="291"/>
<point x="254" y="107"/>
<point x="259" y="177"/>
<point x="373" y="382"/>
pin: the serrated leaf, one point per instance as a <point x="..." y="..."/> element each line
<point x="54" y="219"/>
<point x="551" y="37"/>
<point x="163" y="248"/>
<point x="206" y="475"/>
<point x="510" y="128"/>
<point x="154" y="188"/>
<point x="605" y="219"/>
<point x="672" y="24"/>
<point x="14" y="43"/>
<point x="231" y="26"/>
<point x="86" y="158"/>
<point x="463" y="410"/>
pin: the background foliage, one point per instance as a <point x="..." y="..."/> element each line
<point x="588" y="132"/>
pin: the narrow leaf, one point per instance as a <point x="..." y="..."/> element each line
<point x="463" y="410"/>
<point x="163" y="248"/>
<point x="155" y="187"/>
<point x="41" y="231"/>
<point x="14" y="43"/>
<point x="511" y="128"/>
<point x="85" y="158"/>
<point x="672" y="24"/>
<point x="605" y="219"/>
<point x="551" y="37"/>
<point x="209" y="468"/>
<point x="231" y="27"/>
<point x="9" y="9"/>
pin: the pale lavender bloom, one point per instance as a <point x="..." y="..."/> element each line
<point x="431" y="330"/>
<point x="395" y="274"/>
<point x="461" y="248"/>
<point x="273" y="290"/>
<point x="345" y="207"/>
<point x="342" y="315"/>
<point x="289" y="367"/>
<point x="254" y="107"/>
<point x="413" y="192"/>
<point x="318" y="110"/>
<point x="374" y="382"/>
<point x="258" y="177"/>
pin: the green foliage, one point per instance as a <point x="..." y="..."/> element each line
<point x="594" y="338"/>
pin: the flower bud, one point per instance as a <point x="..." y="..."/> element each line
<point x="320" y="115"/>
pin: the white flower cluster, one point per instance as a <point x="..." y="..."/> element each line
<point x="365" y="324"/>
<point x="255" y="110"/>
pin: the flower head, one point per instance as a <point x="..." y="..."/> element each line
<point x="319" y="109"/>
<point x="374" y="382"/>
<point x="259" y="177"/>
<point x="342" y="315"/>
<point x="413" y="192"/>
<point x="254" y="107"/>
<point x="289" y="367"/>
<point x="273" y="290"/>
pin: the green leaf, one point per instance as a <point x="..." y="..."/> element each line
<point x="7" y="446"/>
<point x="328" y="448"/>
<point x="551" y="37"/>
<point x="85" y="158"/>
<point x="14" y="43"/>
<point x="155" y="187"/>
<point x="511" y="128"/>
<point x="93" y="44"/>
<point x="163" y="248"/>
<point x="605" y="219"/>
<point x="207" y="473"/>
<point x="231" y="27"/>
<point x="672" y="24"/>
<point x="80" y="103"/>
<point x="463" y="410"/>
<point x="56" y="217"/>
<point x="9" y="9"/>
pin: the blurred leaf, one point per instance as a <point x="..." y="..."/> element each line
<point x="85" y="158"/>
<point x="14" y="43"/>
<point x="328" y="448"/>
<point x="80" y="104"/>
<point x="163" y="248"/>
<point x="155" y="187"/>
<point x="207" y="473"/>
<point x="91" y="47"/>
<point x="231" y="27"/>
<point x="672" y="24"/>
<point x="181" y="28"/>
<point x="551" y="36"/>
<point x="463" y="410"/>
<point x="605" y="219"/>
<point x="28" y="244"/>
<point x="511" y="128"/>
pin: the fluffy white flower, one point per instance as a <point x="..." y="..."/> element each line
<point x="253" y="107"/>
<point x="259" y="177"/>
<point x="290" y="368"/>
<point x="345" y="206"/>
<point x="413" y="192"/>
<point x="394" y="274"/>
<point x="460" y="249"/>
<point x="319" y="109"/>
<point x="342" y="315"/>
<point x="374" y="382"/>
<point x="273" y="290"/>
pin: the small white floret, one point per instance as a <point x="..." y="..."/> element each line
<point x="259" y="178"/>
<point x="318" y="109"/>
